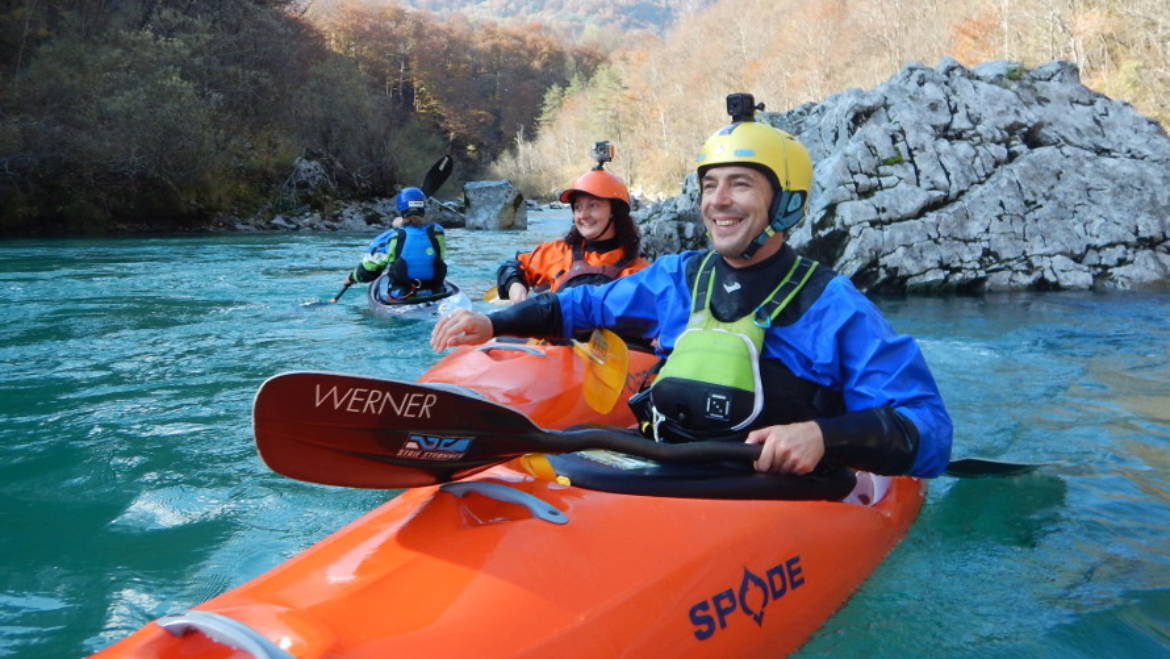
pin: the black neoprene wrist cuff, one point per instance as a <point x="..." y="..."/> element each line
<point x="506" y="274"/>
<point x="878" y="440"/>
<point x="503" y="290"/>
<point x="538" y="316"/>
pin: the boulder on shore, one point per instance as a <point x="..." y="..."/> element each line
<point x="494" y="205"/>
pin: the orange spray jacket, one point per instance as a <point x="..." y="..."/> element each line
<point x="555" y="265"/>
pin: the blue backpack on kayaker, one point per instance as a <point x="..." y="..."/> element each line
<point x="417" y="267"/>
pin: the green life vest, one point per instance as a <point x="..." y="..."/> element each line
<point x="710" y="384"/>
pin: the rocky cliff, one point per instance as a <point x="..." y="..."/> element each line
<point x="956" y="179"/>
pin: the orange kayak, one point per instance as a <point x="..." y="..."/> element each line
<point x="587" y="554"/>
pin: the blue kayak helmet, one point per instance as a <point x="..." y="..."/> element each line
<point x="411" y="201"/>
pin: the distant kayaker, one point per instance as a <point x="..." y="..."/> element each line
<point x="762" y="344"/>
<point x="412" y="250"/>
<point x="602" y="245"/>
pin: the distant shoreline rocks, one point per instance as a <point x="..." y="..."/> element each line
<point x="485" y="205"/>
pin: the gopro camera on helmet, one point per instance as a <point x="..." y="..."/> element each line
<point x="603" y="153"/>
<point x="742" y="107"/>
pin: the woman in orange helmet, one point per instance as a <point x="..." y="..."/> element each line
<point x="602" y="245"/>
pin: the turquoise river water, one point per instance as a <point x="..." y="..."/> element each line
<point x="129" y="486"/>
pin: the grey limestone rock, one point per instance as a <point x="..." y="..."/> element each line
<point x="956" y="179"/>
<point x="494" y="205"/>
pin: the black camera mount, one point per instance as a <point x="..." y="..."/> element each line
<point x="602" y="152"/>
<point x="742" y="107"/>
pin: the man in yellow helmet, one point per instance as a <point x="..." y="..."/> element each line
<point x="761" y="345"/>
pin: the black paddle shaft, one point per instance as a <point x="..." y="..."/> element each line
<point x="337" y="297"/>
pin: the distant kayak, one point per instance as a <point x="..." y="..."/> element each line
<point x="439" y="303"/>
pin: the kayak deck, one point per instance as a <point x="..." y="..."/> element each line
<point x="435" y="574"/>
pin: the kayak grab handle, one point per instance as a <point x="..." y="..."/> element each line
<point x="225" y="631"/>
<point x="539" y="508"/>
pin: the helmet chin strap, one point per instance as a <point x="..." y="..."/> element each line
<point x="608" y="224"/>
<point x="774" y="226"/>
<point x="758" y="242"/>
<point x="786" y="210"/>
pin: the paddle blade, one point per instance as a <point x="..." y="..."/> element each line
<point x="371" y="433"/>
<point x="322" y="303"/>
<point x="976" y="467"/>
<point x="492" y="296"/>
<point x="606" y="364"/>
<point x="437" y="175"/>
<point x="289" y="452"/>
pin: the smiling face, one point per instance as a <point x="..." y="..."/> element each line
<point x="734" y="203"/>
<point x="593" y="217"/>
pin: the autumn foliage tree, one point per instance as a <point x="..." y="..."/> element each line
<point x="480" y="83"/>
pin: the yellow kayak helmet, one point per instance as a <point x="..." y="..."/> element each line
<point x="778" y="155"/>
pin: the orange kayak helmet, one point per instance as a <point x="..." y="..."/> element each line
<point x="601" y="184"/>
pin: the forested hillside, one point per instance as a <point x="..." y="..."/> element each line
<point x="659" y="101"/>
<point x="161" y="114"/>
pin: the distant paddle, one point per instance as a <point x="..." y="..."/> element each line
<point x="337" y="297"/>
<point x="332" y="300"/>
<point x="492" y="296"/>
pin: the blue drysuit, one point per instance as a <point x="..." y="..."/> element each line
<point x="888" y="415"/>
